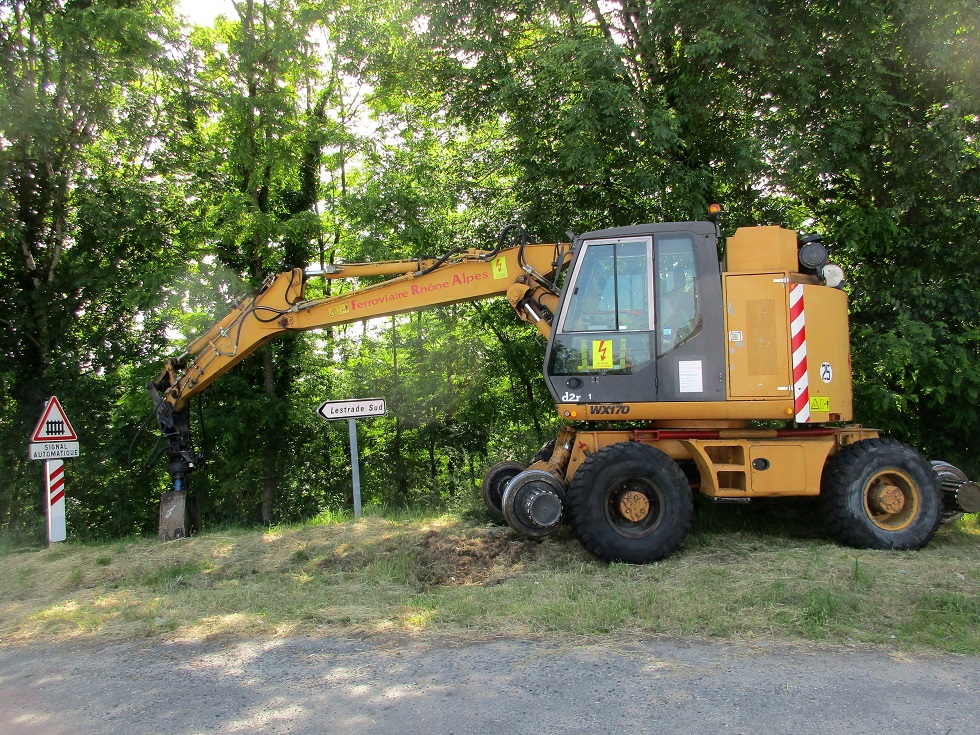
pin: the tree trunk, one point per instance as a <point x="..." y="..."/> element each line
<point x="518" y="369"/>
<point x="432" y="462"/>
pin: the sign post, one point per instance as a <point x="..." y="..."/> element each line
<point x="54" y="484"/>
<point x="54" y="439"/>
<point x="355" y="466"/>
<point x="353" y="410"/>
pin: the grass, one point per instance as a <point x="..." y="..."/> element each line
<point x="744" y="574"/>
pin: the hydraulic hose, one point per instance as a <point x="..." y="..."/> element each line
<point x="501" y="238"/>
<point x="439" y="262"/>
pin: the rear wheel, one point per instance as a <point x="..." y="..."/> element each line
<point x="494" y="484"/>
<point x="630" y="502"/>
<point x="881" y="494"/>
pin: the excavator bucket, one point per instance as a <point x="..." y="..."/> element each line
<point x="178" y="515"/>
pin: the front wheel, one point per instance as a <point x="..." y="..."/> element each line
<point x="881" y="494"/>
<point x="630" y="502"/>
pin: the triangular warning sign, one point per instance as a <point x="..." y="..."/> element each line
<point x="54" y="425"/>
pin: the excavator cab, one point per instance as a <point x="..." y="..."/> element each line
<point x="640" y="318"/>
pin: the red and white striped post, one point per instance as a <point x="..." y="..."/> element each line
<point x="54" y="483"/>
<point x="801" y="383"/>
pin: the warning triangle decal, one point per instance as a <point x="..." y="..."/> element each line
<point x="54" y="425"/>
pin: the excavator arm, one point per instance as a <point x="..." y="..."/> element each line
<point x="524" y="273"/>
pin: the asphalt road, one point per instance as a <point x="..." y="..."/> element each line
<point x="414" y="685"/>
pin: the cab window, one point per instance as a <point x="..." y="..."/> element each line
<point x="678" y="292"/>
<point x="611" y="292"/>
<point x="607" y="326"/>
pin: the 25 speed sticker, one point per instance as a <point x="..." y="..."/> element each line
<point x="826" y="372"/>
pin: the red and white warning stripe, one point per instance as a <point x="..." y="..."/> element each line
<point x="801" y="385"/>
<point x="56" y="482"/>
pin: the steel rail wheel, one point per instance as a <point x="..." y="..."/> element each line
<point x="881" y="494"/>
<point x="630" y="502"/>
<point x="495" y="482"/>
<point x="534" y="503"/>
<point x="951" y="478"/>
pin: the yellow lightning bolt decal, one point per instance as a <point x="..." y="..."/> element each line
<point x="499" y="267"/>
<point x="602" y="354"/>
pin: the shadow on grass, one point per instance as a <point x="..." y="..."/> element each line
<point x="792" y="519"/>
<point x="795" y="520"/>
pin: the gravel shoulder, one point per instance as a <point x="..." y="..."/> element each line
<point x="435" y="685"/>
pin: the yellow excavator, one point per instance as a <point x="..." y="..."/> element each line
<point x="675" y="371"/>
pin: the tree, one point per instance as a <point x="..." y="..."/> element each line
<point x="79" y="112"/>
<point x="148" y="180"/>
<point x="257" y="140"/>
<point x="617" y="112"/>
<point x="857" y="120"/>
<point x="873" y="133"/>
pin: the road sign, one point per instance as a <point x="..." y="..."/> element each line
<point x="51" y="450"/>
<point x="53" y="436"/>
<point x="54" y="425"/>
<point x="352" y="409"/>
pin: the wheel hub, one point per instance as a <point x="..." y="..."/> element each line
<point x="533" y="503"/>
<point x="538" y="507"/>
<point x="886" y="498"/>
<point x="634" y="506"/>
<point x="892" y="500"/>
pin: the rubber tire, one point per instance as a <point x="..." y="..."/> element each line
<point x="495" y="481"/>
<point x="592" y="515"/>
<point x="846" y="480"/>
<point x="544" y="453"/>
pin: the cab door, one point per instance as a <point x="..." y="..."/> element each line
<point x="689" y="318"/>
<point x="603" y="348"/>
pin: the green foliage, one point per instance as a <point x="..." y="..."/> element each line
<point x="887" y="164"/>
<point x="151" y="175"/>
<point x="88" y="230"/>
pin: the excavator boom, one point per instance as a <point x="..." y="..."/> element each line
<point x="523" y="273"/>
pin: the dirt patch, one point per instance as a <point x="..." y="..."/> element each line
<point x="446" y="558"/>
<point x="479" y="557"/>
<point x="356" y="556"/>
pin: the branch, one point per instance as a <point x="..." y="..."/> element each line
<point x="27" y="333"/>
<point x="593" y="5"/>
